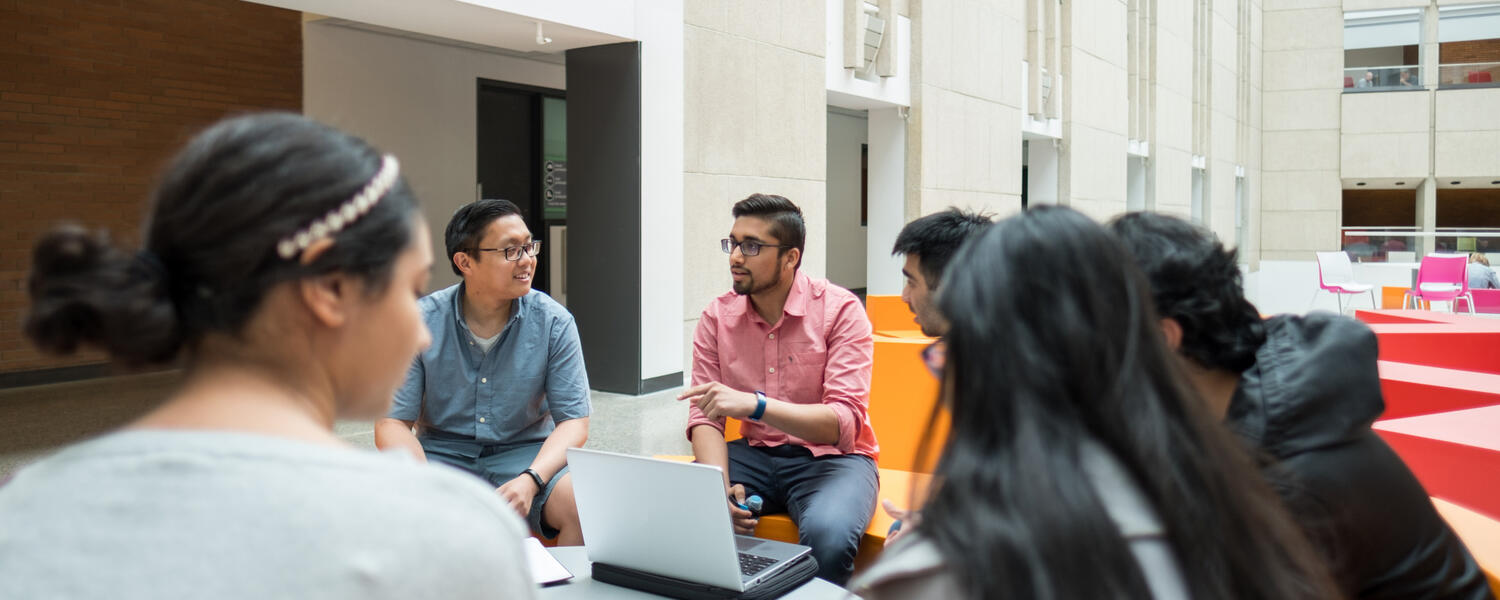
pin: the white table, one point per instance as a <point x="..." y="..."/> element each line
<point x="582" y="585"/>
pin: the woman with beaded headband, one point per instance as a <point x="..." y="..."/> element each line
<point x="280" y="268"/>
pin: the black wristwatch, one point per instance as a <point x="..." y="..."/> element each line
<point x="537" y="477"/>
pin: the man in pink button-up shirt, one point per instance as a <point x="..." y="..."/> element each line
<point x="790" y="357"/>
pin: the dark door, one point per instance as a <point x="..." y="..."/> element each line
<point x="510" y="143"/>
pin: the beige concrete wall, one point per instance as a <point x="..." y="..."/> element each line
<point x="1385" y="134"/>
<point x="754" y="121"/>
<point x="416" y="99"/>
<point x="964" y="137"/>
<point x="1300" y="196"/>
<point x="1091" y="173"/>
<point x="1172" y="148"/>
<point x="1095" y="106"/>
<point x="1467" y="133"/>
<point x="1224" y="135"/>
<point x="1251" y="159"/>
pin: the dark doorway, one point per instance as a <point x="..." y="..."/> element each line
<point x="514" y="157"/>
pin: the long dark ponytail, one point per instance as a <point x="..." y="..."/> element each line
<point x="1053" y="345"/>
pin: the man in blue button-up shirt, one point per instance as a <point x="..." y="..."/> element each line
<point x="502" y="391"/>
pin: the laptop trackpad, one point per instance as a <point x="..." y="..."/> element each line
<point x="745" y="543"/>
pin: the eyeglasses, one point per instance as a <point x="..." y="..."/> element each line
<point x="935" y="355"/>
<point x="513" y="253"/>
<point x="747" y="247"/>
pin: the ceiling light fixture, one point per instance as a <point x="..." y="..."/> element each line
<point x="1400" y="183"/>
<point x="541" y="40"/>
<point x="1360" y="183"/>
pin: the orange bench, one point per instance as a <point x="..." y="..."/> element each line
<point x="889" y="313"/>
<point x="1481" y="534"/>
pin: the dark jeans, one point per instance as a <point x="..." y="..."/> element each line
<point x="830" y="498"/>
<point x="496" y="464"/>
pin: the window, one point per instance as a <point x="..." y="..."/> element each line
<point x="1377" y="223"/>
<point x="1469" y="45"/>
<point x="1135" y="183"/>
<point x="1241" y="215"/>
<point x="1467" y="220"/>
<point x="1198" y="209"/>
<point x="1381" y="50"/>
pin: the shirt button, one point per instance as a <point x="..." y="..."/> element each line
<point x="484" y="380"/>
<point x="773" y="369"/>
<point x="481" y="419"/>
<point x="773" y="336"/>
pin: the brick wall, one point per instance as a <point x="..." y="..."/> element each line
<point x="1380" y="208"/>
<point x="94" y="98"/>
<point x="1468" y="208"/>
<point x="1475" y="51"/>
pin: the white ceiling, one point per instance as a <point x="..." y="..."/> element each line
<point x="455" y="20"/>
<point x="1410" y="183"/>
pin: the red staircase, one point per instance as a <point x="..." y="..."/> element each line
<point x="1440" y="375"/>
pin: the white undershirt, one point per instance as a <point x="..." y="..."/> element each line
<point x="485" y="343"/>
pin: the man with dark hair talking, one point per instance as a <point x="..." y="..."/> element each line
<point x="928" y="244"/>
<point x="789" y="355"/>
<point x="1302" y="391"/>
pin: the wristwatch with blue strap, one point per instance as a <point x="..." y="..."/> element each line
<point x="760" y="406"/>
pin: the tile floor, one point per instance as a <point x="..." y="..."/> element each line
<point x="36" y="421"/>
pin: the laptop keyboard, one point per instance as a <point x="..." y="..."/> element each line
<point x="751" y="564"/>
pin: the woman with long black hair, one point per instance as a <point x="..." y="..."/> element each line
<point x="1079" y="464"/>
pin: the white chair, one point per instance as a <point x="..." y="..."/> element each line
<point x="1336" y="276"/>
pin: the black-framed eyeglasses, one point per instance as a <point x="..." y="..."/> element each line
<point x="513" y="253"/>
<point x="935" y="356"/>
<point x="748" y="247"/>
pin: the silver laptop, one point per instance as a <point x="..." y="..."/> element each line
<point x="668" y="518"/>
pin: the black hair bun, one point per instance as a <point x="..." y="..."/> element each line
<point x="86" y="291"/>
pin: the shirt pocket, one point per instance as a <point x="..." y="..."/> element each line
<point x="806" y="368"/>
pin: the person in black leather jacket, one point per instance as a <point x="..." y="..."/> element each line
<point x="1302" y="392"/>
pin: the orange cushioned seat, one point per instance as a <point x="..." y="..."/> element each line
<point x="1481" y="534"/>
<point x="889" y="313"/>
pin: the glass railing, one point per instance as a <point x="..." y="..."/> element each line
<point x="1463" y="241"/>
<point x="1469" y="74"/>
<point x="1375" y="244"/>
<point x="1399" y="244"/>
<point x="1387" y="78"/>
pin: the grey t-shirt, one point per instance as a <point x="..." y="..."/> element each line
<point x="191" y="514"/>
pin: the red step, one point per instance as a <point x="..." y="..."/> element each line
<point x="1412" y="390"/>
<point x="1435" y="339"/>
<point x="1456" y="455"/>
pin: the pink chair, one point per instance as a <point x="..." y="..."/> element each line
<point x="1336" y="276"/>
<point x="1442" y="278"/>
